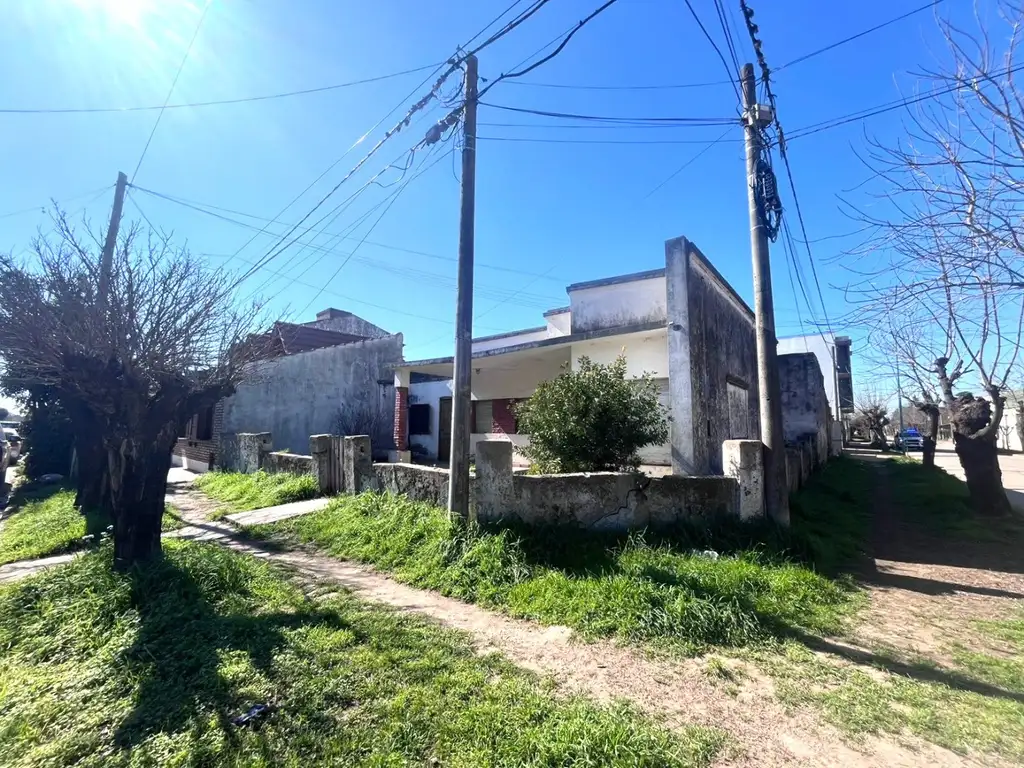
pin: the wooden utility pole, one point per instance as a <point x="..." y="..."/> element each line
<point x="107" y="261"/>
<point x="776" y="488"/>
<point x="458" y="482"/>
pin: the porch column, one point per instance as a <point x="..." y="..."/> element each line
<point x="401" y="433"/>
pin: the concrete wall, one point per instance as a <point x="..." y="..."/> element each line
<point x="616" y="302"/>
<point x="559" y="322"/>
<point x="426" y="484"/>
<point x="646" y="353"/>
<point x="722" y="352"/>
<point x="346" y="322"/>
<point x="296" y="396"/>
<point x="509" y="339"/>
<point x="805" y="411"/>
<point x="292" y="463"/>
<point x="821" y="346"/>
<point x="518" y="379"/>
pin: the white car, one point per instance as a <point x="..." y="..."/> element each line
<point x="13" y="440"/>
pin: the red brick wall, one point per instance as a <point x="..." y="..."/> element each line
<point x="401" y="418"/>
<point x="202" y="451"/>
<point x="503" y="419"/>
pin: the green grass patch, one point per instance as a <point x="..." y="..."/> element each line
<point x="979" y="705"/>
<point x="45" y="522"/>
<point x="103" y="669"/>
<point x="242" y="493"/>
<point x="637" y="588"/>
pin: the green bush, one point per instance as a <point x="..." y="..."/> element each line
<point x="592" y="419"/>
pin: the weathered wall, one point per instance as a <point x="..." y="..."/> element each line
<point x="617" y="302"/>
<point x="805" y="411"/>
<point x="518" y="378"/>
<point x="821" y="346"/>
<point x="722" y="351"/>
<point x="428" y="484"/>
<point x="501" y="340"/>
<point x="296" y="396"/>
<point x="292" y="463"/>
<point x="345" y="322"/>
<point x="559" y="322"/>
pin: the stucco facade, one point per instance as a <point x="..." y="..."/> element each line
<point x="684" y="325"/>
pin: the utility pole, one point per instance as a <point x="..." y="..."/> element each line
<point x="458" y="480"/>
<point x="107" y="262"/>
<point x="776" y="489"/>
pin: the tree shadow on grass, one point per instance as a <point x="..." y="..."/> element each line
<point x="177" y="653"/>
<point x="926" y="673"/>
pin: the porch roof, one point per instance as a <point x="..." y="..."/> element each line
<point x="442" y="366"/>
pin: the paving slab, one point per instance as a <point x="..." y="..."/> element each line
<point x="278" y="513"/>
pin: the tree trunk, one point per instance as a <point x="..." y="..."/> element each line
<point x="138" y="480"/>
<point x="92" y="483"/>
<point x="980" y="460"/>
<point x="928" y="443"/>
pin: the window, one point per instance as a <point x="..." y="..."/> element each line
<point x="419" y="419"/>
<point x="204" y="424"/>
<point x="484" y="418"/>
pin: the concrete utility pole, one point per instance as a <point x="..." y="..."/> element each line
<point x="776" y="489"/>
<point x="458" y="481"/>
<point x="899" y="405"/>
<point x="107" y="261"/>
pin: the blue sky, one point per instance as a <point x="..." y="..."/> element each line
<point x="548" y="214"/>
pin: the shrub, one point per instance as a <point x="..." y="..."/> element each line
<point x="592" y="419"/>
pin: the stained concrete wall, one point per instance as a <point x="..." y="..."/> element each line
<point x="501" y="340"/>
<point x="722" y="352"/>
<point x="618" y="302"/>
<point x="822" y="347"/>
<point x="805" y="411"/>
<point x="293" y="463"/>
<point x="296" y="396"/>
<point x="426" y="484"/>
<point x="346" y="322"/>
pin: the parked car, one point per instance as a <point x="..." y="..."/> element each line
<point x="13" y="443"/>
<point x="5" y="455"/>
<point x="910" y="440"/>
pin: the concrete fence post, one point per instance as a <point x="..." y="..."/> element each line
<point x="744" y="461"/>
<point x="253" y="448"/>
<point x="357" y="464"/>
<point x="320" y="451"/>
<point x="493" y="479"/>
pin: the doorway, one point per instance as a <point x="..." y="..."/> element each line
<point x="444" y="430"/>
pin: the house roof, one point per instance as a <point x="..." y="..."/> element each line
<point x="301" y="338"/>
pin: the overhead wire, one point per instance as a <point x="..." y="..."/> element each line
<point x="689" y="162"/>
<point x="733" y="76"/>
<point x="614" y="119"/>
<point x="170" y="91"/>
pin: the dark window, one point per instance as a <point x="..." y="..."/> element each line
<point x="419" y="419"/>
<point x="204" y="424"/>
<point x="483" y="417"/>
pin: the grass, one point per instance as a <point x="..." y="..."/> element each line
<point x="242" y="493"/>
<point x="978" y="704"/>
<point x="639" y="589"/>
<point x="45" y="522"/>
<point x="102" y="669"/>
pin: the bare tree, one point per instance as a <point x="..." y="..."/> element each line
<point x="872" y="418"/>
<point x="130" y="370"/>
<point x="946" y="254"/>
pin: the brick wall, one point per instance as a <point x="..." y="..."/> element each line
<point x="503" y="419"/>
<point x="202" y="452"/>
<point x="401" y="419"/>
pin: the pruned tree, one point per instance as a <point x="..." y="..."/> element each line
<point x="946" y="249"/>
<point x="871" y="417"/>
<point x="129" y="368"/>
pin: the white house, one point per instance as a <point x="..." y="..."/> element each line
<point x="684" y="325"/>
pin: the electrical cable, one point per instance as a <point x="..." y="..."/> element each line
<point x="41" y="208"/>
<point x="530" y="140"/>
<point x="170" y="91"/>
<point x="697" y="121"/>
<point x="727" y="33"/>
<point x="689" y="162"/>
<point x="220" y="102"/>
<point x="718" y="50"/>
<point x="857" y="36"/>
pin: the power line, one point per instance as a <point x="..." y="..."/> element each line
<point x="170" y="91"/>
<point x="718" y="50"/>
<point x="700" y="121"/>
<point x="530" y="140"/>
<point x="219" y="102"/>
<point x="40" y="208"/>
<point x="689" y="162"/>
<point x="859" y="35"/>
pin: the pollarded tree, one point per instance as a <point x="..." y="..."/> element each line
<point x="592" y="419"/>
<point x="130" y="369"/>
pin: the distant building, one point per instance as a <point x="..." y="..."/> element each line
<point x="834" y="358"/>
